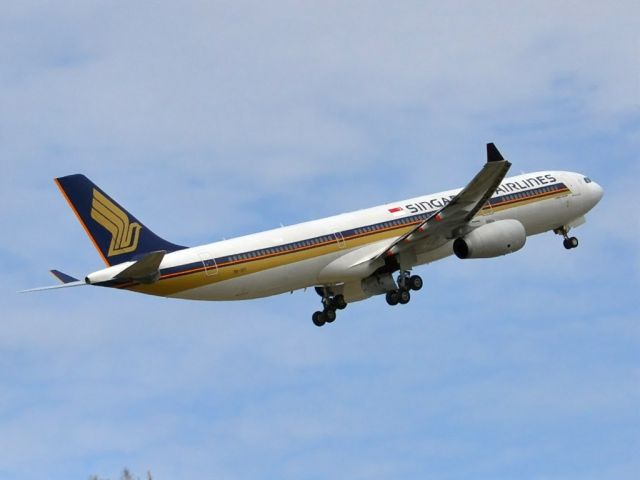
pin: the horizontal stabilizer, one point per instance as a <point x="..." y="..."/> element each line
<point x="77" y="283"/>
<point x="63" y="277"/>
<point x="145" y="270"/>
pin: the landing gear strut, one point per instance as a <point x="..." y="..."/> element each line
<point x="406" y="283"/>
<point x="568" y="242"/>
<point x="330" y="304"/>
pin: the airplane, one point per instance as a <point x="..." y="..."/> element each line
<point x="346" y="258"/>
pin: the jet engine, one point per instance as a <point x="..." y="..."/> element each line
<point x="491" y="240"/>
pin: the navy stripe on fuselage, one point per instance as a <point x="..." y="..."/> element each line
<point x="336" y="238"/>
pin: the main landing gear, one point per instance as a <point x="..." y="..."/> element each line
<point x="331" y="303"/>
<point x="568" y="242"/>
<point x="406" y="283"/>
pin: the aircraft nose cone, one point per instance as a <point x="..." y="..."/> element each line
<point x="597" y="192"/>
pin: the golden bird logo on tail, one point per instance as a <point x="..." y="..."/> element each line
<point x="124" y="234"/>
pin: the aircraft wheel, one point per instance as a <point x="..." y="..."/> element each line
<point x="404" y="297"/>
<point x="329" y="315"/>
<point x="415" y="283"/>
<point x="318" y="319"/>
<point x="339" y="302"/>
<point x="393" y="297"/>
<point x="574" y="242"/>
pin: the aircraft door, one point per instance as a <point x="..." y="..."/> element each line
<point x="340" y="239"/>
<point x="209" y="263"/>
<point x="576" y="192"/>
<point x="487" y="208"/>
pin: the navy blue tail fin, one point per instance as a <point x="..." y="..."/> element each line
<point x="117" y="235"/>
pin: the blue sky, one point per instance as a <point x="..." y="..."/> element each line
<point x="210" y="120"/>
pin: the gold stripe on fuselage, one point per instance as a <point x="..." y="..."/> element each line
<point x="171" y="285"/>
<point x="177" y="282"/>
<point x="520" y="202"/>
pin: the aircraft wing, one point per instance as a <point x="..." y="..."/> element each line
<point x="453" y="219"/>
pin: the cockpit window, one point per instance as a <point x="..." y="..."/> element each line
<point x="587" y="180"/>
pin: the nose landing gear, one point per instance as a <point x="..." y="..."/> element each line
<point x="568" y="242"/>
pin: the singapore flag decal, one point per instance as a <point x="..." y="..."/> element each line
<point x="396" y="210"/>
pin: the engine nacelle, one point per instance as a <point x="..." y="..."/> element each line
<point x="491" y="240"/>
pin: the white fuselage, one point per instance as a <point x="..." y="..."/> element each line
<point x="313" y="253"/>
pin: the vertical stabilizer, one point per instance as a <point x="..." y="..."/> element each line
<point x="117" y="235"/>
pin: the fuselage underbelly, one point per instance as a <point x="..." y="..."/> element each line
<point x="292" y="258"/>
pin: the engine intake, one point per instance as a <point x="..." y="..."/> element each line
<point x="491" y="240"/>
